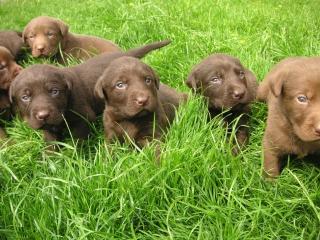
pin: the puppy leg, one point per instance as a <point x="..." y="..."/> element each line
<point x="271" y="164"/>
<point x="49" y="137"/>
<point x="80" y="130"/>
<point x="242" y="136"/>
<point x="3" y="134"/>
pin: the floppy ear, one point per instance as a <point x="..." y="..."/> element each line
<point x="275" y="80"/>
<point x="98" y="89"/>
<point x="11" y="91"/>
<point x="156" y="78"/>
<point x="252" y="83"/>
<point x="25" y="33"/>
<point x="192" y="81"/>
<point x="64" y="28"/>
<point x="68" y="78"/>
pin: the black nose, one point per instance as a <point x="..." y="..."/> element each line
<point x="42" y="115"/>
<point x="238" y="94"/>
<point x="142" y="100"/>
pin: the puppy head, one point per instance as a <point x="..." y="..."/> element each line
<point x="9" y="69"/>
<point x="44" y="34"/>
<point x="296" y="86"/>
<point x="41" y="94"/>
<point x="223" y="81"/>
<point x="129" y="86"/>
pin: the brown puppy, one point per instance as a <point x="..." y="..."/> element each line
<point x="45" y="95"/>
<point x="226" y="84"/>
<point x="44" y="35"/>
<point x="134" y="99"/>
<point x="292" y="90"/>
<point x="10" y="46"/>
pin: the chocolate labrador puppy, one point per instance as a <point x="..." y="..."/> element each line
<point x="10" y="47"/>
<point x="44" y="35"/>
<point x="292" y="90"/>
<point x="47" y="97"/>
<point x="137" y="105"/>
<point x="227" y="85"/>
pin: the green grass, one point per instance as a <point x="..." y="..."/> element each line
<point x="201" y="191"/>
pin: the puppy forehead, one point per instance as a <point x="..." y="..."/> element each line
<point x="305" y="80"/>
<point x="43" y="23"/>
<point x="127" y="67"/>
<point x="38" y="75"/>
<point x="219" y="63"/>
<point x="5" y="54"/>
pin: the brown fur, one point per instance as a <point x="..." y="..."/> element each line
<point x="44" y="94"/>
<point x="10" y="47"/>
<point x="44" y="35"/>
<point x="227" y="85"/>
<point x="293" y="126"/>
<point x="134" y="99"/>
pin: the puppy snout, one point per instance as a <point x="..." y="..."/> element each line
<point x="42" y="115"/>
<point x="238" y="94"/>
<point x="142" y="100"/>
<point x="40" y="48"/>
<point x="317" y="130"/>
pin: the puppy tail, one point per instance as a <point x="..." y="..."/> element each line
<point x="140" y="52"/>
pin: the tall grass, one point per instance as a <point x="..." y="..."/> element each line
<point x="200" y="191"/>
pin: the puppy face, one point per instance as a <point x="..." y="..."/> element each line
<point x="129" y="86"/>
<point x="9" y="69"/>
<point x="41" y="95"/>
<point x="224" y="81"/>
<point x="297" y="87"/>
<point x="43" y="35"/>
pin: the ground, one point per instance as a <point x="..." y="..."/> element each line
<point x="200" y="191"/>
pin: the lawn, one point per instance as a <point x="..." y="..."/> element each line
<point x="200" y="191"/>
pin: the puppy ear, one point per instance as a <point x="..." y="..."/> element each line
<point x="11" y="91"/>
<point x="68" y="78"/>
<point x="156" y="78"/>
<point x="25" y="33"/>
<point x="275" y="80"/>
<point x="252" y="83"/>
<point x="98" y="89"/>
<point x="192" y="81"/>
<point x="64" y="28"/>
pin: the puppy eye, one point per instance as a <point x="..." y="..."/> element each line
<point x="50" y="34"/>
<point x="241" y="74"/>
<point x="31" y="37"/>
<point x="148" y="80"/>
<point x="54" y="92"/>
<point x="121" y="85"/>
<point x="26" y="98"/>
<point x="215" y="80"/>
<point x="302" y="99"/>
<point x="2" y="66"/>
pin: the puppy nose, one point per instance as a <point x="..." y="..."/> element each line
<point x="238" y="94"/>
<point x="40" y="48"/>
<point x="142" y="100"/>
<point x="317" y="130"/>
<point x="42" y="115"/>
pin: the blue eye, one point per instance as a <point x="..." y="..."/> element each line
<point x="121" y="85"/>
<point x="54" y="92"/>
<point x="241" y="74"/>
<point x="26" y="98"/>
<point x="148" y="80"/>
<point x="302" y="99"/>
<point x="215" y="80"/>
